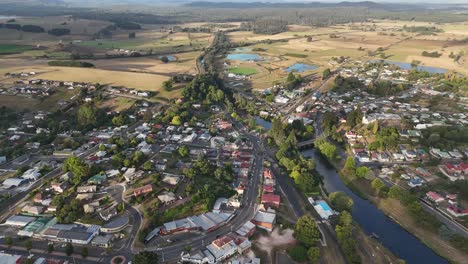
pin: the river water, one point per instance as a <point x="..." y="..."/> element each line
<point x="372" y="220"/>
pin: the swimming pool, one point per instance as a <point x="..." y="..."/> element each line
<point x="324" y="206"/>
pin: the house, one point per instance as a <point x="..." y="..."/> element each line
<point x="167" y="197"/>
<point x="97" y="179"/>
<point x="457" y="211"/>
<point x="246" y="230"/>
<point x="33" y="209"/>
<point x="265" y="219"/>
<point x="58" y="187"/>
<point x="86" y="189"/>
<point x="271" y="200"/>
<point x="415" y="182"/>
<point x="143" y="190"/>
<point x="6" y="258"/>
<point x="267" y="174"/>
<point x="31" y="174"/>
<point x="104" y="241"/>
<point x="435" y="197"/>
<point x="268" y="188"/>
<point x="13" y="182"/>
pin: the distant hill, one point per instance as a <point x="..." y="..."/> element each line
<point x="206" y="4"/>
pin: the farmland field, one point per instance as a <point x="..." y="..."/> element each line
<point x="242" y="70"/>
<point x="13" y="48"/>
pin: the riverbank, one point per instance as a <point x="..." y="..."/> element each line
<point x="374" y="221"/>
<point x="398" y="213"/>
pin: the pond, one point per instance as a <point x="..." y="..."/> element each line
<point x="408" y="66"/>
<point x="244" y="57"/>
<point x="263" y="123"/>
<point x="402" y="243"/>
<point x="169" y="57"/>
<point x="301" y="67"/>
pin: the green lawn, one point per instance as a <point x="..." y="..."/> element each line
<point x="12" y="48"/>
<point x="243" y="71"/>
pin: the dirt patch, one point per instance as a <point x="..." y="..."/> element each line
<point x="278" y="239"/>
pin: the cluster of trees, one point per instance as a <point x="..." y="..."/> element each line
<point x="293" y="80"/>
<point x="326" y="148"/>
<point x="386" y="88"/>
<point x="68" y="210"/>
<point x="385" y="138"/>
<point x="354" y="117"/>
<point x="344" y="233"/>
<point x="120" y="159"/>
<point x="343" y="85"/>
<point x="58" y="32"/>
<point x="424" y="30"/>
<point x="433" y="54"/>
<point x="78" y="168"/>
<point x="269" y="26"/>
<point x="8" y="117"/>
<point x="125" y="24"/>
<point x="204" y="88"/>
<point x="63" y="63"/>
<point x="352" y="172"/>
<point x="300" y="169"/>
<point x="445" y="137"/>
<point x="89" y="116"/>
<point x="308" y="235"/>
<point x="24" y="28"/>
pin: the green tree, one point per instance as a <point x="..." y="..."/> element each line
<point x="313" y="254"/>
<point x="377" y="185"/>
<point x="28" y="244"/>
<point x="183" y="151"/>
<point x="306" y="230"/>
<point x="362" y="171"/>
<point x="50" y="247"/>
<point x="340" y="201"/>
<point x="77" y="167"/>
<point x="148" y="165"/>
<point x="84" y="252"/>
<point x="326" y="73"/>
<point x="165" y="59"/>
<point x="145" y="257"/>
<point x="87" y="115"/>
<point x="69" y="249"/>
<point x="167" y="85"/>
<point x="8" y="241"/>
<point x="298" y="253"/>
<point x="176" y="120"/>
<point x="375" y="127"/>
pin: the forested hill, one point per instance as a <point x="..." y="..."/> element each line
<point x="207" y="4"/>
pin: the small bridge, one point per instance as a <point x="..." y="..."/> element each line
<point x="305" y="144"/>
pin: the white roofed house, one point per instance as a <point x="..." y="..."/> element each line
<point x="13" y="182"/>
<point x="31" y="174"/>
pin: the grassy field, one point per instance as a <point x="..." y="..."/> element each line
<point x="20" y="102"/>
<point x="13" y="48"/>
<point x="242" y="70"/>
<point x="117" y="103"/>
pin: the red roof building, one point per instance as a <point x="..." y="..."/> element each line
<point x="268" y="188"/>
<point x="267" y="174"/>
<point x="143" y="190"/>
<point x="435" y="197"/>
<point x="457" y="211"/>
<point x="271" y="200"/>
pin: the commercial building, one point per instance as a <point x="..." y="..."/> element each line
<point x="265" y="219"/>
<point x="10" y="259"/>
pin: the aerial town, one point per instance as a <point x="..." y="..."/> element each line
<point x="210" y="137"/>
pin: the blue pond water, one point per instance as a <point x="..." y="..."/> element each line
<point x="244" y="57"/>
<point x="408" y="66"/>
<point x="169" y="57"/>
<point x="301" y="67"/>
<point x="263" y="123"/>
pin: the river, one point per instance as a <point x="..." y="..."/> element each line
<point x="402" y="243"/>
